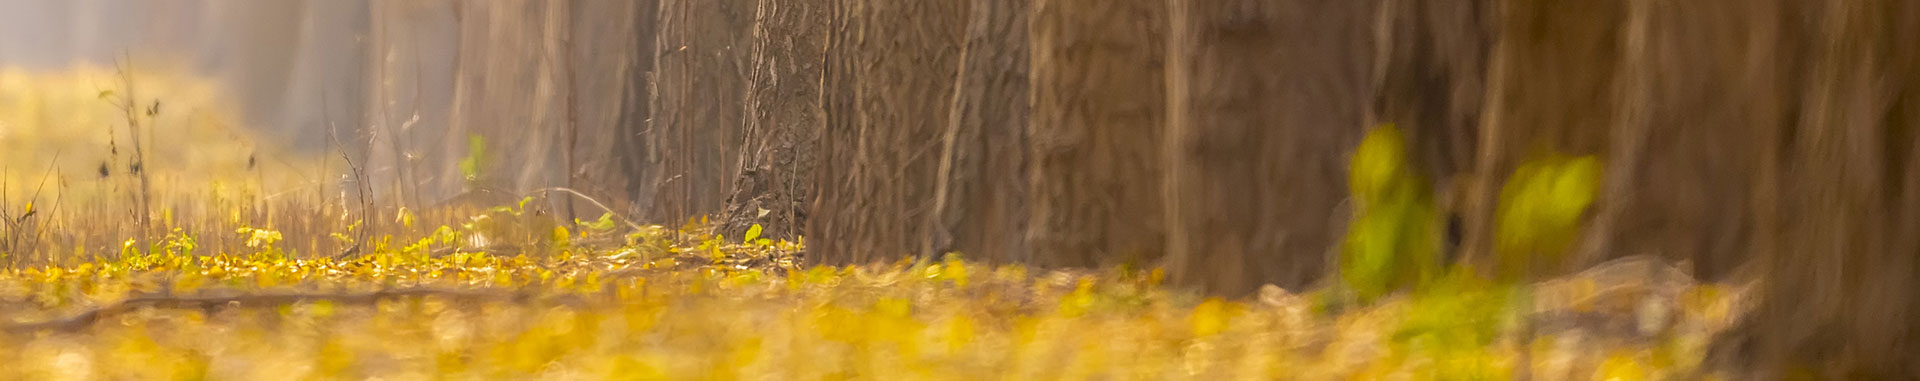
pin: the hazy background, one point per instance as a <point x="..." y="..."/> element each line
<point x="278" y="57"/>
<point x="381" y="76"/>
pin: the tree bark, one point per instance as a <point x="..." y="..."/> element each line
<point x="695" y="133"/>
<point x="627" y="167"/>
<point x="1433" y="78"/>
<point x="980" y="199"/>
<point x="1266" y="99"/>
<point x="1550" y="90"/>
<point x="782" y="112"/>
<point x="1839" y="299"/>
<point x="1099" y="106"/>
<point x="889" y="77"/>
<point x="1435" y="64"/>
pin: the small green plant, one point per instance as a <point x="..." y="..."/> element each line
<point x="476" y="160"/>
<point x="1393" y="242"/>
<point x="1540" y="210"/>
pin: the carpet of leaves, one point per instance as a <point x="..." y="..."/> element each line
<point x="654" y="309"/>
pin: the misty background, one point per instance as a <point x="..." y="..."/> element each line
<point x="380" y="76"/>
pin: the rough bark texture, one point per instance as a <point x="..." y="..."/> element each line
<point x="782" y="113"/>
<point x="980" y="201"/>
<point x="1098" y="115"/>
<point x="889" y="80"/>
<point x="695" y="133"/>
<point x="1266" y="99"/>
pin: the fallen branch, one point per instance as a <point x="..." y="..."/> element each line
<point x="87" y="318"/>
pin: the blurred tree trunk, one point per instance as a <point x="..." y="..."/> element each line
<point x="627" y="170"/>
<point x="1098" y="114"/>
<point x="1433" y="77"/>
<point x="439" y="71"/>
<point x="1435" y="57"/>
<point x="508" y="56"/>
<point x="782" y="113"/>
<point x="1839" y="298"/>
<point x="695" y="134"/>
<point x="1266" y="98"/>
<point x="1551" y="89"/>
<point x="891" y="69"/>
<point x="980" y="200"/>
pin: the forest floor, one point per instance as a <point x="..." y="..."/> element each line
<point x="254" y="269"/>
<point x="690" y="305"/>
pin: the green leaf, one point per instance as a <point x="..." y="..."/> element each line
<point x="604" y="223"/>
<point x="1378" y="164"/>
<point x="752" y="233"/>
<point x="476" y="157"/>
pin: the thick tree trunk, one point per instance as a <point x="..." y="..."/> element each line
<point x="1704" y="73"/>
<point x="1839" y="297"/>
<point x="889" y="80"/>
<point x="1098" y="115"/>
<point x="1267" y="98"/>
<point x="980" y="200"/>
<point x="782" y="113"/>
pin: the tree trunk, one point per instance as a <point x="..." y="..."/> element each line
<point x="1550" y="90"/>
<point x="890" y="72"/>
<point x="782" y="113"/>
<point x="1098" y="113"/>
<point x="980" y="200"/>
<point x="695" y="133"/>
<point x="1839" y="297"/>
<point x="1266" y="99"/>
<point x="1432" y="81"/>
<point x="627" y="152"/>
<point x="1435" y="63"/>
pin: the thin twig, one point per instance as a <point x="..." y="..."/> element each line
<point x="359" y="177"/>
<point x="130" y="107"/>
<point x="596" y="203"/>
